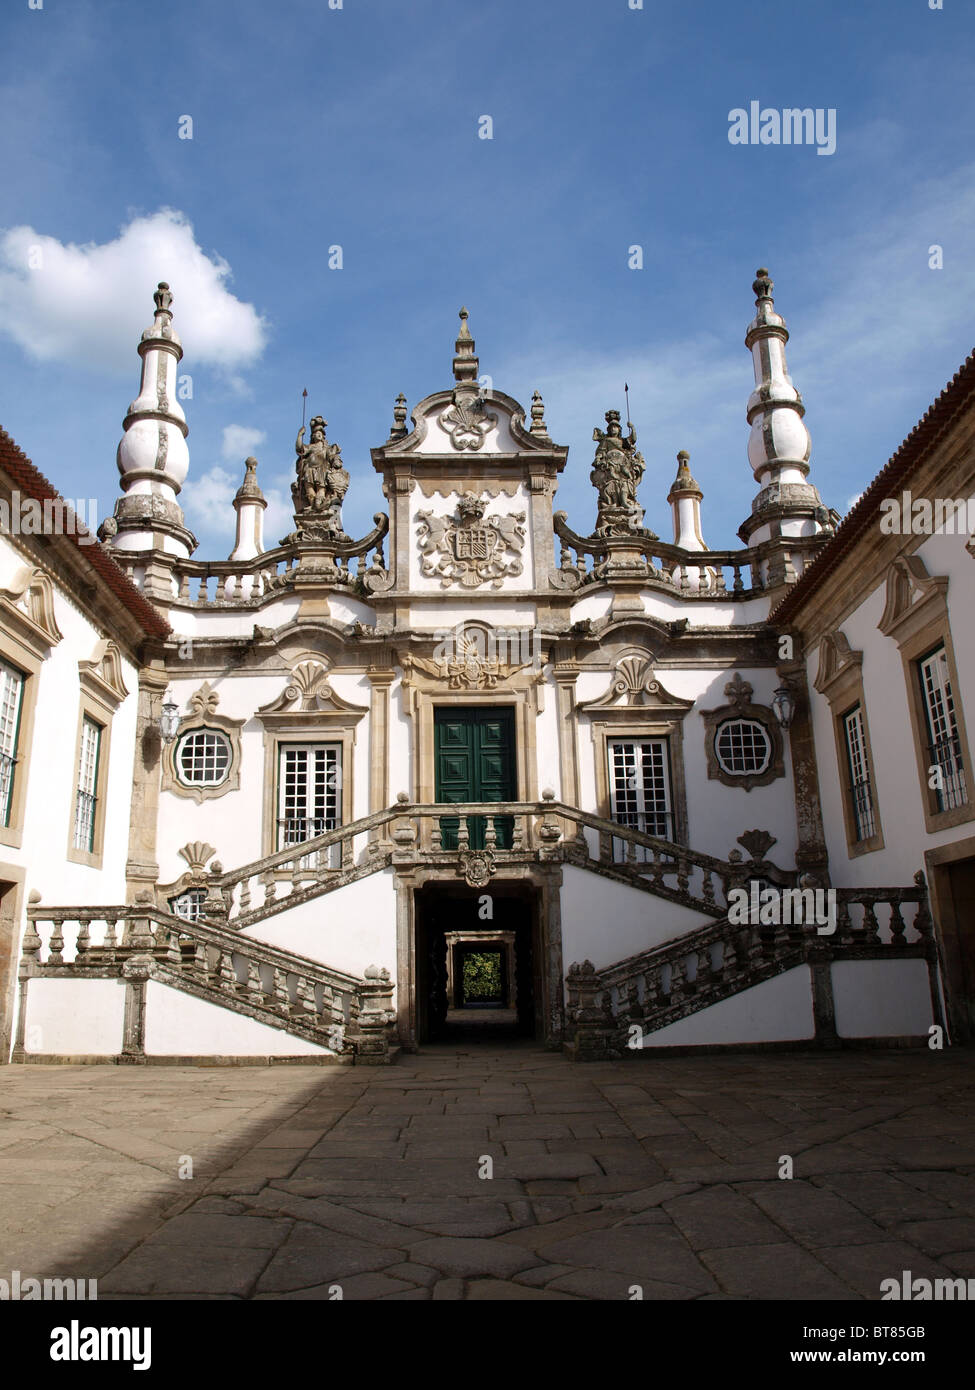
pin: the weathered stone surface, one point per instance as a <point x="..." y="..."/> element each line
<point x="468" y="1258"/>
<point x="160" y="1268"/>
<point x="305" y="1178"/>
<point x="491" y="1290"/>
<point x="311" y="1256"/>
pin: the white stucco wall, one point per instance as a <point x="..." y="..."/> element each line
<point x="76" y="1017"/>
<point x="179" y="1025"/>
<point x="233" y="823"/>
<point x="604" y="922"/>
<point x="716" y="814"/>
<point x="778" y="1010"/>
<point x="881" y="999"/>
<point x="899" y="796"/>
<point x="348" y="929"/>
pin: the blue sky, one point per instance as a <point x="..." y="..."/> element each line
<point x="359" y="127"/>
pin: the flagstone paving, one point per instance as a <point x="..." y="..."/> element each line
<point x="485" y="1172"/>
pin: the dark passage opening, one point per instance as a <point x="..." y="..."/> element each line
<point x="475" y="976"/>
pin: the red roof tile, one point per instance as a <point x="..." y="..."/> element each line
<point x="32" y="482"/>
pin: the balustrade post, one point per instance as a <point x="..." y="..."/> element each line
<point x="215" y="904"/>
<point x="375" y="1016"/>
<point x="586" y="1022"/>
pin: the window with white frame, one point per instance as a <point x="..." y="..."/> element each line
<point x="189" y="904"/>
<point x="309" y="791"/>
<point x="203" y="758"/>
<point x="742" y="747"/>
<point x="861" y="791"/>
<point x="944" y="741"/>
<point x="639" y="786"/>
<point x="86" y="799"/>
<point x="11" y="703"/>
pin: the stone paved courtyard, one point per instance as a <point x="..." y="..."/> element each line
<point x="658" y="1172"/>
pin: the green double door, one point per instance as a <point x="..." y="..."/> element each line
<point x="475" y="761"/>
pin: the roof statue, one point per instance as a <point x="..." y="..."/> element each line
<point x="320" y="486"/>
<point x="616" y="473"/>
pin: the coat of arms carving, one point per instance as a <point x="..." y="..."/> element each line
<point x="469" y="548"/>
<point x="467" y="421"/>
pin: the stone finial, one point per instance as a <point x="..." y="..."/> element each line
<point x="762" y="285"/>
<point x="249" y="490"/>
<point x="538" y="425"/>
<point x="399" y="418"/>
<point x="466" y="365"/>
<point x="685" y="481"/>
<point x="163" y="299"/>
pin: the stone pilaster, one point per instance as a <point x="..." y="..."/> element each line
<point x="141" y="868"/>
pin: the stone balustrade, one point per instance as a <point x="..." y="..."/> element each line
<point x="350" y="1016"/>
<point x="710" y="574"/>
<point x="662" y="985"/>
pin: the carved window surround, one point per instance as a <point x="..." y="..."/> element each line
<point x="637" y="706"/>
<point x="203" y="705"/>
<point x="101" y="677"/>
<point x="308" y="710"/>
<point x="28" y="633"/>
<point x="840" y="679"/>
<point x="27" y="611"/>
<point x="740" y="706"/>
<point x="479" y="679"/>
<point x="102" y="691"/>
<point x="916" y="618"/>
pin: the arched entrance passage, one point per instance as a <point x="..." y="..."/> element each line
<point x="478" y="962"/>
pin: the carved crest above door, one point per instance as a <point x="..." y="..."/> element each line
<point x="470" y="548"/>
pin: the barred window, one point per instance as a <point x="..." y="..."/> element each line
<point x="189" y="904"/>
<point x="861" y="792"/>
<point x="309" y="792"/>
<point x="86" y="800"/>
<point x="639" y="786"/>
<point x="742" y="746"/>
<point x="11" y="702"/>
<point x="203" y="758"/>
<point x="944" y="740"/>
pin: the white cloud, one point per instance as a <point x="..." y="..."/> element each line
<point x="90" y="303"/>
<point x="239" y="442"/>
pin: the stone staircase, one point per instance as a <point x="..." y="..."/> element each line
<point x="219" y="960"/>
<point x="351" y="1018"/>
<point x="611" y="1011"/>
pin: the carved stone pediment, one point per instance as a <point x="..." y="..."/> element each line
<point x="470" y="548"/>
<point x="476" y="657"/>
<point x="467" y="421"/>
<point x="839" y="666"/>
<point x="308" y="698"/>
<point x="635" y="687"/>
<point x="101" y="675"/>
<point x="27" y="604"/>
<point x="197" y="854"/>
<point x="914" y="598"/>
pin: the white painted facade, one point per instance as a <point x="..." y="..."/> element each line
<point x="651" y="666"/>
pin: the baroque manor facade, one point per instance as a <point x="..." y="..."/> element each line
<point x="731" y="791"/>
